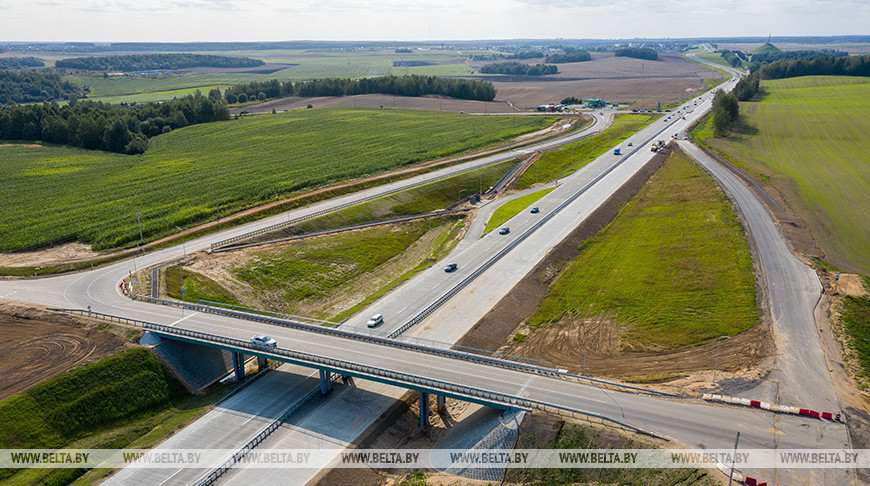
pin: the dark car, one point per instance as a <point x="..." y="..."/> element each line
<point x="504" y="230"/>
<point x="535" y="210"/>
<point x="451" y="267"/>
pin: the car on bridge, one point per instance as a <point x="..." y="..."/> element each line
<point x="376" y="320"/>
<point x="504" y="230"/>
<point x="265" y="341"/>
<point x="451" y="267"/>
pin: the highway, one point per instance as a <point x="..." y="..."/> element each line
<point x="693" y="424"/>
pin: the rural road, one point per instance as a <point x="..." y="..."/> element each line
<point x="693" y="424"/>
<point x="793" y="290"/>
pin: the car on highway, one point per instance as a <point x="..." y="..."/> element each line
<point x="451" y="267"/>
<point x="630" y="144"/>
<point x="535" y="210"/>
<point x="264" y="341"/>
<point x="504" y="230"/>
<point x="376" y="320"/>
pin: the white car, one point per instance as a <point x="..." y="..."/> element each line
<point x="376" y="320"/>
<point x="264" y="341"/>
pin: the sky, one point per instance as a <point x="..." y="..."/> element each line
<point x="421" y="20"/>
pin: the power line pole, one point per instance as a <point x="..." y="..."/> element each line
<point x="733" y="459"/>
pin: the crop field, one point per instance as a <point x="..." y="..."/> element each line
<point x="808" y="136"/>
<point x="568" y="158"/>
<point x="194" y="174"/>
<point x="511" y="208"/>
<point x="673" y="269"/>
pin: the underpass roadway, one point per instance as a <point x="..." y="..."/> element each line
<point x="690" y="423"/>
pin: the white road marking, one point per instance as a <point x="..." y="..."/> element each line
<point x="183" y="318"/>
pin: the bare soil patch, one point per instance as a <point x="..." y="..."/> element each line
<point x="36" y="346"/>
<point x="563" y="342"/>
<point x="70" y="252"/>
<point x="431" y="103"/>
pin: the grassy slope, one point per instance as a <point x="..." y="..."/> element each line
<point x="558" y="163"/>
<point x="300" y="274"/>
<point x="196" y="287"/>
<point x="511" y="208"/>
<point x="674" y="266"/>
<point x="809" y="136"/>
<point x="420" y="200"/>
<point x="89" y="407"/>
<point x="65" y="193"/>
<point x="855" y="318"/>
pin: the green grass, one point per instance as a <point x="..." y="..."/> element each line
<point x="67" y="194"/>
<point x="808" y="137"/>
<point x="419" y="200"/>
<point x="715" y="58"/>
<point x="855" y="318"/>
<point x="567" y="159"/>
<point x="302" y="273"/>
<point x="125" y="400"/>
<point x="196" y="287"/>
<point x="674" y="266"/>
<point x="511" y="208"/>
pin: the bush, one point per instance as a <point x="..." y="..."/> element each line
<point x="518" y="69"/>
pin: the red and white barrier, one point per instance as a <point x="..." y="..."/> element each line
<point x="834" y="416"/>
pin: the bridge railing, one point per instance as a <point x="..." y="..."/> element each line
<point x="396" y="378"/>
<point x="428" y="348"/>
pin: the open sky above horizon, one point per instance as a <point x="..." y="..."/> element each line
<point x="421" y="20"/>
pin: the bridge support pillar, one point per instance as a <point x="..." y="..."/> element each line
<point x="325" y="382"/>
<point x="239" y="367"/>
<point x="424" y="410"/>
<point x="261" y="363"/>
<point x="440" y="402"/>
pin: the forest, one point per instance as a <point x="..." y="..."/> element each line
<point x="36" y="86"/>
<point x="147" y="62"/>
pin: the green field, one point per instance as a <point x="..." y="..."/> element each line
<point x="67" y="194"/>
<point x="125" y="400"/>
<point x="855" y="319"/>
<point x="511" y="208"/>
<point x="568" y="158"/>
<point x="673" y="268"/>
<point x="808" y="137"/>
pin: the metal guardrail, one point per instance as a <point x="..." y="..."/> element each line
<point x="243" y="451"/>
<point x="513" y="244"/>
<point x="268" y="313"/>
<point x="392" y="342"/>
<point x="396" y="378"/>
<point x="348" y="204"/>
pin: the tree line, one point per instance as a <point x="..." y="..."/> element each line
<point x="20" y="62"/>
<point x="837" y="66"/>
<point x="570" y="55"/>
<point x="519" y="69"/>
<point x="747" y="87"/>
<point x="638" y="53"/>
<point x="772" y="56"/>
<point x="413" y="85"/>
<point x="726" y="113"/>
<point x="102" y="126"/>
<point x="36" y="86"/>
<point x="147" y="62"/>
<point x="526" y="55"/>
<point x="734" y="58"/>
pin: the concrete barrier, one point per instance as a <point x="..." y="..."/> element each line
<point x="746" y="402"/>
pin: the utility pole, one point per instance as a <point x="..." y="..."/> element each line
<point x="181" y="267"/>
<point x="139" y="220"/>
<point x="733" y="459"/>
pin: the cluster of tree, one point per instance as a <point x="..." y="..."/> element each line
<point x="734" y="58"/>
<point x="726" y="113"/>
<point x="103" y="126"/>
<point x="518" y="68"/>
<point x="638" y="53"/>
<point x="570" y="55"/>
<point x="839" y="66"/>
<point x="404" y="51"/>
<point x="747" y="87"/>
<point x="147" y="62"/>
<point x="35" y="86"/>
<point x="572" y="100"/>
<point x="20" y="62"/>
<point x="526" y="55"/>
<point x="773" y="56"/>
<point x="414" y="85"/>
